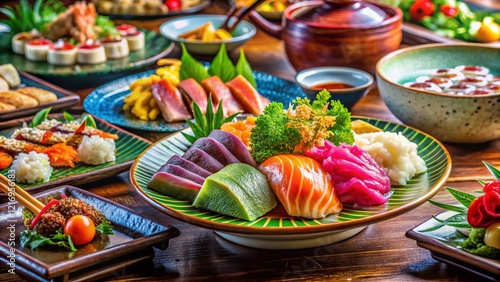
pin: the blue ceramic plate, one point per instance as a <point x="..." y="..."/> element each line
<point x="106" y="102"/>
<point x="156" y="47"/>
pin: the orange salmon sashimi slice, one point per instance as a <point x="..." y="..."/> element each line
<point x="301" y="185"/>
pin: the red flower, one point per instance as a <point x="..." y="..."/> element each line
<point x="492" y="186"/>
<point x="477" y="216"/>
<point x="491" y="201"/>
<point x="421" y="9"/>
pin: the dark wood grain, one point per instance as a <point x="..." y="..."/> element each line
<point x="381" y="252"/>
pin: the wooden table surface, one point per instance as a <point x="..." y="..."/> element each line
<point x="381" y="252"/>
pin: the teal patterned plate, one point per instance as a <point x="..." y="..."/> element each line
<point x="128" y="147"/>
<point x="277" y="230"/>
<point x="156" y="47"/>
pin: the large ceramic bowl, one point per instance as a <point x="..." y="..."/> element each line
<point x="171" y="29"/>
<point x="448" y="117"/>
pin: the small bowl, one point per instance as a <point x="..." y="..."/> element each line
<point x="171" y="29"/>
<point x="448" y="117"/>
<point x="358" y="79"/>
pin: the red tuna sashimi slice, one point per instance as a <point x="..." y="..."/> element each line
<point x="202" y="159"/>
<point x="188" y="165"/>
<point x="301" y="185"/>
<point x="194" y="92"/>
<point x="215" y="86"/>
<point x="358" y="179"/>
<point x="174" y="186"/>
<point x="216" y="150"/>
<point x="234" y="145"/>
<point x="182" y="172"/>
<point x="247" y="95"/>
<point x="170" y="101"/>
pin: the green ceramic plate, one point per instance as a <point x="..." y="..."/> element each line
<point x="128" y="147"/>
<point x="156" y="47"/>
<point x="277" y="230"/>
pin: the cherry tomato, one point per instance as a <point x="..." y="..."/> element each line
<point x="448" y="10"/>
<point x="173" y="4"/>
<point x="488" y="32"/>
<point x="421" y="9"/>
<point x="80" y="228"/>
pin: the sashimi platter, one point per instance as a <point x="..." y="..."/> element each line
<point x="289" y="176"/>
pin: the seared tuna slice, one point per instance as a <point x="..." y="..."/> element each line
<point x="188" y="165"/>
<point x="219" y="91"/>
<point x="234" y="145"/>
<point x="182" y="172"/>
<point x="174" y="186"/>
<point x="216" y="150"/>
<point x="202" y="159"/>
<point x="248" y="97"/>
<point x="193" y="92"/>
<point x="170" y="101"/>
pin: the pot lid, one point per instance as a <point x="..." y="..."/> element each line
<point x="343" y="13"/>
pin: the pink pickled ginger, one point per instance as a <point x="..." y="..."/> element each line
<point x="356" y="176"/>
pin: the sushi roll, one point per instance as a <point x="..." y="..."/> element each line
<point x="460" y="89"/>
<point x="452" y="74"/>
<point x="473" y="70"/>
<point x="115" y="47"/>
<point x="32" y="167"/>
<point x="477" y="81"/>
<point x="37" y="49"/>
<point x="96" y="150"/>
<point x="62" y="53"/>
<point x="91" y="53"/>
<point x="439" y="81"/>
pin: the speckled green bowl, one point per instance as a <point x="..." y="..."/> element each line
<point x="448" y="117"/>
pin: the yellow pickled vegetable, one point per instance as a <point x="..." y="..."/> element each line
<point x="206" y="33"/>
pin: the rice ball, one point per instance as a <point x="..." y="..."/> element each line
<point x="32" y="167"/>
<point x="96" y="150"/>
<point x="394" y="153"/>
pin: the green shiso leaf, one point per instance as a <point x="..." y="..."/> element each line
<point x="68" y="117"/>
<point x="40" y="116"/>
<point x="222" y="66"/>
<point x="493" y="170"/>
<point x="191" y="68"/>
<point x="243" y="68"/>
<point x="448" y="207"/>
<point x="462" y="197"/>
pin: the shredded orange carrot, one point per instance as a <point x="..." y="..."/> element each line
<point x="5" y="160"/>
<point x="242" y="128"/>
<point x="62" y="155"/>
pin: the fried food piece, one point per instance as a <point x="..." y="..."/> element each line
<point x="4" y="85"/>
<point x="17" y="99"/>
<point x="78" y="22"/>
<point x="9" y="73"/>
<point x="5" y="107"/>
<point x="41" y="95"/>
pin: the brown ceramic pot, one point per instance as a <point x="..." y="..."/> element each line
<point x="346" y="33"/>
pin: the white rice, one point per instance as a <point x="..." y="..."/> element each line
<point x="394" y="153"/>
<point x="96" y="150"/>
<point x="32" y="167"/>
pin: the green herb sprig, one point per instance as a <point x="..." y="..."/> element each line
<point x="208" y="122"/>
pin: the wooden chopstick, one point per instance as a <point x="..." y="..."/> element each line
<point x="23" y="197"/>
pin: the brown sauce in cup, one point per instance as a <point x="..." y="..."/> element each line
<point x="331" y="86"/>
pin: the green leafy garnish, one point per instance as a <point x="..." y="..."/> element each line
<point x="104" y="26"/>
<point x="474" y="243"/>
<point x="68" y="117"/>
<point x="206" y="123"/>
<point x="222" y="66"/>
<point x="191" y="68"/>
<point x="40" y="116"/>
<point x="104" y="228"/>
<point x="24" y="17"/>
<point x="243" y="68"/>
<point x="300" y="127"/>
<point x="34" y="240"/>
<point x="90" y="121"/>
